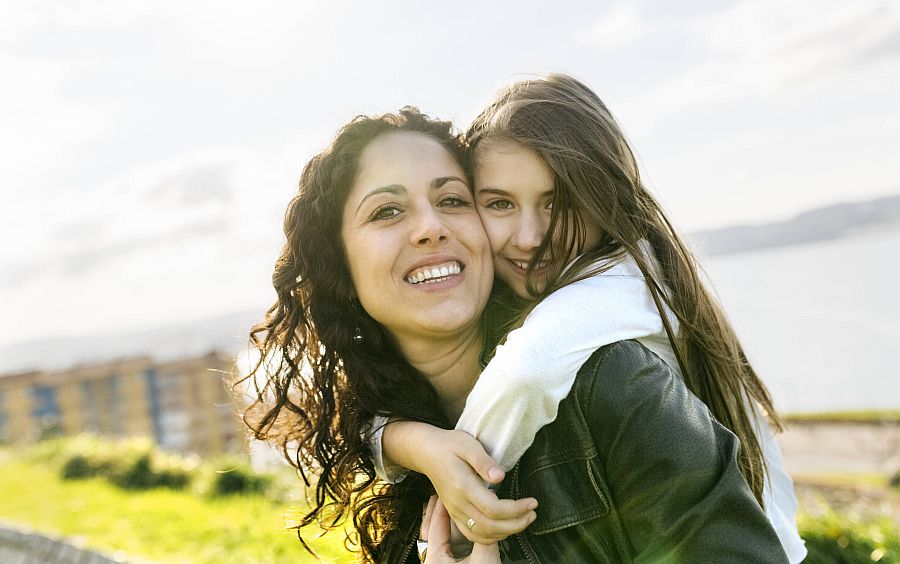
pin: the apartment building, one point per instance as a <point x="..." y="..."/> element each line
<point x="183" y="405"/>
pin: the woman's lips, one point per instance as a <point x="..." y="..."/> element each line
<point x="434" y="273"/>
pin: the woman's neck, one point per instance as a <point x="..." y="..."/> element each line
<point x="451" y="364"/>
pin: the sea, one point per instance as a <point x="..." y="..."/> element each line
<point x="820" y="322"/>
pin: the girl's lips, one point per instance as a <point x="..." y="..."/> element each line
<point x="521" y="267"/>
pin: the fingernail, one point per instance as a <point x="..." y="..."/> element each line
<point x="495" y="474"/>
<point x="532" y="504"/>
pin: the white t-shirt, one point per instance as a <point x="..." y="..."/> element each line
<point x="520" y="389"/>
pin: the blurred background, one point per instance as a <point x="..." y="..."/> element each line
<point x="149" y="150"/>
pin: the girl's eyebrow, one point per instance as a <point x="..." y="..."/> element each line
<point x="499" y="192"/>
<point x="440" y="181"/>
<point x="496" y="191"/>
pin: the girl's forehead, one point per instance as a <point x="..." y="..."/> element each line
<point x="511" y="167"/>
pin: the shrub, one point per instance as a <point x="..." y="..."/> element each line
<point x="842" y="539"/>
<point x="136" y="464"/>
<point x="229" y="476"/>
<point x="78" y="467"/>
<point x="131" y="464"/>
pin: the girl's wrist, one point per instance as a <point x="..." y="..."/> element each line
<point x="404" y="443"/>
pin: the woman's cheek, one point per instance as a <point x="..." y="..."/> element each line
<point x="495" y="230"/>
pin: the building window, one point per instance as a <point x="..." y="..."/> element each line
<point x="46" y="410"/>
<point x="4" y="430"/>
<point x="153" y="392"/>
<point x="91" y="409"/>
<point x="114" y="395"/>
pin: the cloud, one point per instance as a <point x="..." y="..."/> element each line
<point x="760" y="51"/>
<point x="620" y="27"/>
<point x="210" y="183"/>
<point x="775" y="44"/>
<point x="176" y="203"/>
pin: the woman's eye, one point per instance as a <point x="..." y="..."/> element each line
<point x="384" y="212"/>
<point x="500" y="205"/>
<point x="455" y="202"/>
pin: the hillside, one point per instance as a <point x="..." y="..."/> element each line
<point x="832" y="222"/>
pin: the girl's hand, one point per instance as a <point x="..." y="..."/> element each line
<point x="458" y="467"/>
<point x="439" y="551"/>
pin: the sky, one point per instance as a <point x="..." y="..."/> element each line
<point x="149" y="148"/>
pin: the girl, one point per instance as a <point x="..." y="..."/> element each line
<point x="574" y="231"/>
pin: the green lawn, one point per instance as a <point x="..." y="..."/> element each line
<point x="887" y="415"/>
<point x="161" y="525"/>
<point x="178" y="526"/>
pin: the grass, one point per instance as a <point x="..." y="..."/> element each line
<point x="847" y="537"/>
<point x="845" y="479"/>
<point x="160" y="524"/>
<point x="166" y="525"/>
<point x="864" y="416"/>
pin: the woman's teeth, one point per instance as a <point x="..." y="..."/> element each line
<point x="432" y="274"/>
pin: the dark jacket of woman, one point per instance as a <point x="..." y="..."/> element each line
<point x="633" y="469"/>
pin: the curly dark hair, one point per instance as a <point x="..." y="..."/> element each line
<point x="325" y="367"/>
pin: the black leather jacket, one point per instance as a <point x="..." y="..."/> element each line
<point x="636" y="469"/>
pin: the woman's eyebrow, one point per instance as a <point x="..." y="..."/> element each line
<point x="395" y="189"/>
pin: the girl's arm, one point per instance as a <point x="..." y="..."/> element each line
<point x="520" y="389"/>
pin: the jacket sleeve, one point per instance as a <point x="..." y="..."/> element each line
<point x="671" y="467"/>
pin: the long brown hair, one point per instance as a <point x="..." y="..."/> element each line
<point x="597" y="180"/>
<point x="325" y="367"/>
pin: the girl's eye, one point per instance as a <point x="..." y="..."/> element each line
<point x="500" y="205"/>
<point x="550" y="205"/>
<point x="386" y="211"/>
<point x="454" y="201"/>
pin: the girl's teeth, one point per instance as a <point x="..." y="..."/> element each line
<point x="524" y="265"/>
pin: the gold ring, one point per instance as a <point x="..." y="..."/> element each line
<point x="470" y="523"/>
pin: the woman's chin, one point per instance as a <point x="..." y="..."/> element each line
<point x="448" y="320"/>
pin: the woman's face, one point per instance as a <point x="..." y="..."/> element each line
<point x="514" y="195"/>
<point x="417" y="252"/>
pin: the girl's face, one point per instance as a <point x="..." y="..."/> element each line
<point x="514" y="194"/>
<point x="416" y="249"/>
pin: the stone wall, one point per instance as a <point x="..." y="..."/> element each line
<point x="22" y="547"/>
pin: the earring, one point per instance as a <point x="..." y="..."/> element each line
<point x="357" y="332"/>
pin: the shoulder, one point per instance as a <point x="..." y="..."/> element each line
<point x="625" y="362"/>
<point x="624" y="378"/>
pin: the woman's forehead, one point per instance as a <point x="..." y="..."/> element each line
<point x="406" y="153"/>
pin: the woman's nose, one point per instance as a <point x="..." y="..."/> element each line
<point x="429" y="228"/>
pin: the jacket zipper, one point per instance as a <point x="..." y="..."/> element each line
<point x="408" y="550"/>
<point x="523" y="544"/>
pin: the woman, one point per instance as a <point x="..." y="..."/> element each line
<point x="381" y="286"/>
<point x="548" y="157"/>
